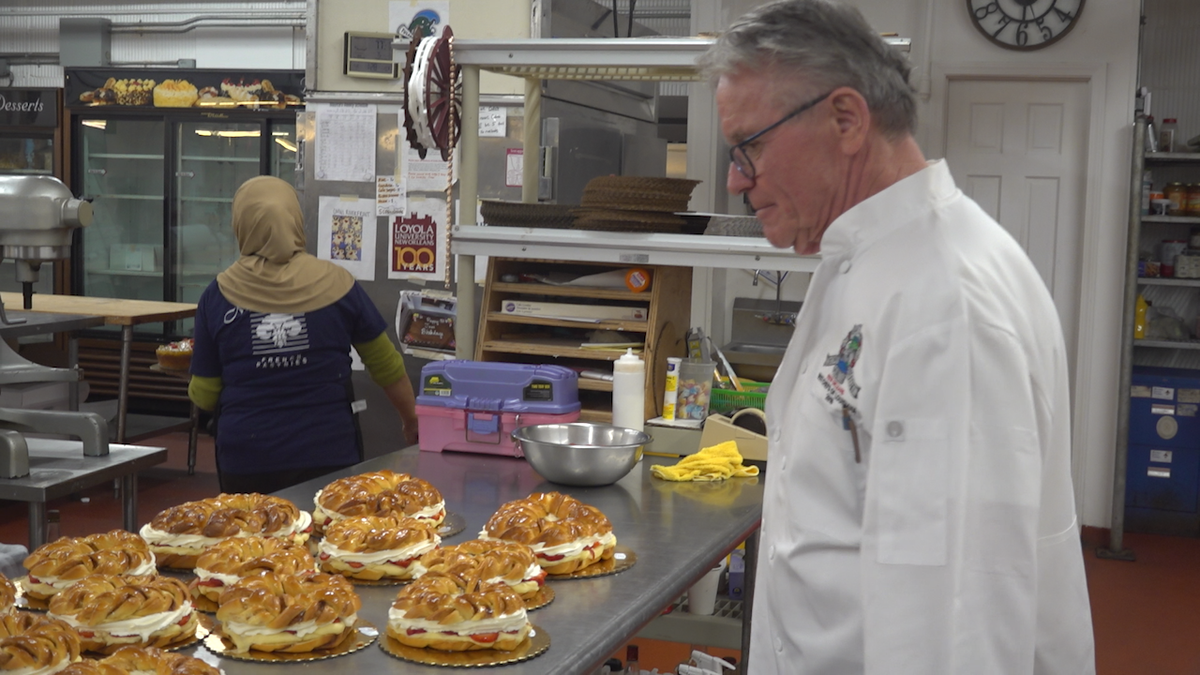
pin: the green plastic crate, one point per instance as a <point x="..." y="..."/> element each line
<point x="727" y="400"/>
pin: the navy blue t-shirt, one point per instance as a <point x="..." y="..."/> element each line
<point x="283" y="402"/>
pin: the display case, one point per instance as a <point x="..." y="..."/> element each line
<point x="162" y="177"/>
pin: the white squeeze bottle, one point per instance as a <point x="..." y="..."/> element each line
<point x="629" y="391"/>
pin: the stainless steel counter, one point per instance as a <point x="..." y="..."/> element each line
<point x="677" y="531"/>
<point x="58" y="468"/>
<point x="36" y="323"/>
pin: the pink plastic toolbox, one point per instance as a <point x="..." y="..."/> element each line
<point x="474" y="406"/>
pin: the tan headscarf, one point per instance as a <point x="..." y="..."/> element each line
<point x="275" y="274"/>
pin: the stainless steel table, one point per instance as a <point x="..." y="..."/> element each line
<point x="58" y="468"/>
<point x="677" y="530"/>
<point x="40" y="323"/>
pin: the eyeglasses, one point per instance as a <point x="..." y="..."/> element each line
<point x="739" y="156"/>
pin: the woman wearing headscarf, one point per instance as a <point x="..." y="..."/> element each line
<point x="272" y="351"/>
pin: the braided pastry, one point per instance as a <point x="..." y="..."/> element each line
<point x="178" y="535"/>
<point x="231" y="559"/>
<point x="34" y="643"/>
<point x="379" y="493"/>
<point x="565" y="534"/>
<point x="288" y="612"/>
<point x="494" y="560"/>
<point x="89" y="667"/>
<point x="8" y="595"/>
<point x="449" y="613"/>
<point x="376" y="547"/>
<point x="110" y="611"/>
<point x="157" y="661"/>
<point x="60" y="563"/>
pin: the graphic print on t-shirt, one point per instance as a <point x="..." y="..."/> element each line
<point x="278" y="339"/>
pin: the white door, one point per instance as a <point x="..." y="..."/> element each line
<point x="1019" y="149"/>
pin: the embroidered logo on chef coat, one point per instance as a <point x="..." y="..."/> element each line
<point x="837" y="377"/>
<point x="277" y="338"/>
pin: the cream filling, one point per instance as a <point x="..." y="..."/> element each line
<point x="531" y="572"/>
<point x="205" y="575"/>
<point x="142" y="626"/>
<point x="567" y="550"/>
<point x="324" y="516"/>
<point x="167" y="540"/>
<point x="302" y="630"/>
<point x="507" y="623"/>
<point x="373" y="557"/>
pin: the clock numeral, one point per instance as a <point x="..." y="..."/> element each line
<point x="1047" y="32"/>
<point x="982" y="12"/>
<point x="1063" y="16"/>
<point x="1022" y="36"/>
<point x="1004" y="21"/>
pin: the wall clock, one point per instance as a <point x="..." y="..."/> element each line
<point x="1024" y="24"/>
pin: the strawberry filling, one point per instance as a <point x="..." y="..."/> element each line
<point x="415" y="631"/>
<point x="552" y="558"/>
<point x="213" y="583"/>
<point x="34" y="580"/>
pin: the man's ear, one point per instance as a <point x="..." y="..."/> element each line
<point x="852" y="118"/>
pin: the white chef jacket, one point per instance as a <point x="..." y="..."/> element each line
<point x="952" y="546"/>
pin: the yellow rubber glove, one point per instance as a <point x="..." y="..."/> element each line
<point x="717" y="462"/>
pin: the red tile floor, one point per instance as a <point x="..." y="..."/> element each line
<point x="1146" y="614"/>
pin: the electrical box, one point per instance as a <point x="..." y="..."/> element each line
<point x="85" y="42"/>
<point x="369" y="55"/>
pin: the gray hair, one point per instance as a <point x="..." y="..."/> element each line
<point x="826" y="44"/>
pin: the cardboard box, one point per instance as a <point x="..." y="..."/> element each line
<point x="719" y="428"/>
<point x="573" y="311"/>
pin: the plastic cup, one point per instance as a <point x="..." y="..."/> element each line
<point x="695" y="389"/>
<point x="702" y="596"/>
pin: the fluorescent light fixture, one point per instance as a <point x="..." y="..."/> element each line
<point x="95" y="124"/>
<point x="228" y="133"/>
<point x="287" y="144"/>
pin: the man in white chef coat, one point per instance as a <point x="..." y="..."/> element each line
<point x="919" y="514"/>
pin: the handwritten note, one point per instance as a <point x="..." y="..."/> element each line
<point x="493" y="121"/>
<point x="345" y="142"/>
<point x="390" y="196"/>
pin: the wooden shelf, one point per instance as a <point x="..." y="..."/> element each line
<point x="628" y="326"/>
<point x="668" y="305"/>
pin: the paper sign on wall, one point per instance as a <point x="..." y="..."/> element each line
<point x="417" y="247"/>
<point x="514" y="167"/>
<point x="493" y="121"/>
<point x="346" y="234"/>
<point x="345" y="142"/>
<point x="390" y="196"/>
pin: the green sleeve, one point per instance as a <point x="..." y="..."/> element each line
<point x="205" y="391"/>
<point x="383" y="362"/>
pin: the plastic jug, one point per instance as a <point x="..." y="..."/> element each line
<point x="1139" y="317"/>
<point x="629" y="391"/>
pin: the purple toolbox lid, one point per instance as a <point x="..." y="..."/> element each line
<point x="499" y="387"/>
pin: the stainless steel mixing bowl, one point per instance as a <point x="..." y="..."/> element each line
<point x="581" y="453"/>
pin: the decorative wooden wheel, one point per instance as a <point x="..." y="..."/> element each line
<point x="432" y="94"/>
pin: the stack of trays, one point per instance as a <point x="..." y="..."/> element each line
<point x="634" y="204"/>
<point x="519" y="214"/>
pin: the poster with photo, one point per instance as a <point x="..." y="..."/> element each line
<point x="346" y="234"/>
<point x="418" y="242"/>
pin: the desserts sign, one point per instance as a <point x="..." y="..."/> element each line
<point x="175" y="88"/>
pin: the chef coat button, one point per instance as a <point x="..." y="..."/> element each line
<point x="771" y="552"/>
<point x="775" y="436"/>
<point x="778" y="645"/>
<point x="844" y="267"/>
<point x="895" y="429"/>
<point x="803" y="367"/>
<point x="782" y="463"/>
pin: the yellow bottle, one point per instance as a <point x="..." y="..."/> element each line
<point x="1139" y="317"/>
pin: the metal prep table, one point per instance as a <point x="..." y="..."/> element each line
<point x="38" y="323"/>
<point x="677" y="531"/>
<point x="58" y="468"/>
<point x="113" y="312"/>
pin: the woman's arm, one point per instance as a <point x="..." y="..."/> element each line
<point x="400" y="393"/>
<point x="386" y="367"/>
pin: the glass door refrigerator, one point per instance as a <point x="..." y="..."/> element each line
<point x="162" y="177"/>
<point x="31" y="144"/>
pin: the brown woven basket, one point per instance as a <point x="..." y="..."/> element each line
<point x="677" y="186"/>
<point x="627" y="221"/>
<point x="501" y="213"/>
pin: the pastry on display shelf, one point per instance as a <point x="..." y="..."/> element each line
<point x="378" y="493"/>
<point x="492" y="560"/>
<point x="374" y="548"/>
<point x="565" y="534"/>
<point x="175" y="355"/>
<point x="110" y="611"/>
<point x="288" y="612"/>
<point x="230" y="560"/>
<point x="35" y="643"/>
<point x="178" y="535"/>
<point x="453" y="614"/>
<point x="61" y="563"/>
<point x="175" y="94"/>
